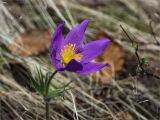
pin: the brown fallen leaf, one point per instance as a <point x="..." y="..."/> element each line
<point x="124" y="116"/>
<point x="31" y="43"/>
<point x="114" y="55"/>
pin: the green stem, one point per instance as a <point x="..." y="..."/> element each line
<point x="47" y="108"/>
<point x="47" y="100"/>
<point x="49" y="81"/>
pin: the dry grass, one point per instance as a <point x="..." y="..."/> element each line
<point x="129" y="96"/>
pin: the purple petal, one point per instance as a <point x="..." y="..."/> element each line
<point x="93" y="49"/>
<point x="78" y="49"/>
<point x="57" y="40"/>
<point x="73" y="66"/>
<point x="56" y="63"/>
<point x="56" y="45"/>
<point x="75" y="36"/>
<point x="91" y="67"/>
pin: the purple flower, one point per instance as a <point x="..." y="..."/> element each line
<point x="71" y="54"/>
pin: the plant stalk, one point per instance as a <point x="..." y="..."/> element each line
<point x="47" y="108"/>
<point x="46" y="99"/>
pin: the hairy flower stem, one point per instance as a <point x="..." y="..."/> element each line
<point x="47" y="100"/>
<point x="47" y="108"/>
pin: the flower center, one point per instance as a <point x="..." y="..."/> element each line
<point x="68" y="53"/>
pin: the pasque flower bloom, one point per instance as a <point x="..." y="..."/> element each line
<point x="71" y="54"/>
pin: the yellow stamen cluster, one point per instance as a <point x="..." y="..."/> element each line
<point x="68" y="53"/>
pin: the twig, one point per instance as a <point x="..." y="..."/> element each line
<point x="140" y="61"/>
<point x="136" y="50"/>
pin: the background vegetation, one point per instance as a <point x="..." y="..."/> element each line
<point x="129" y="90"/>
